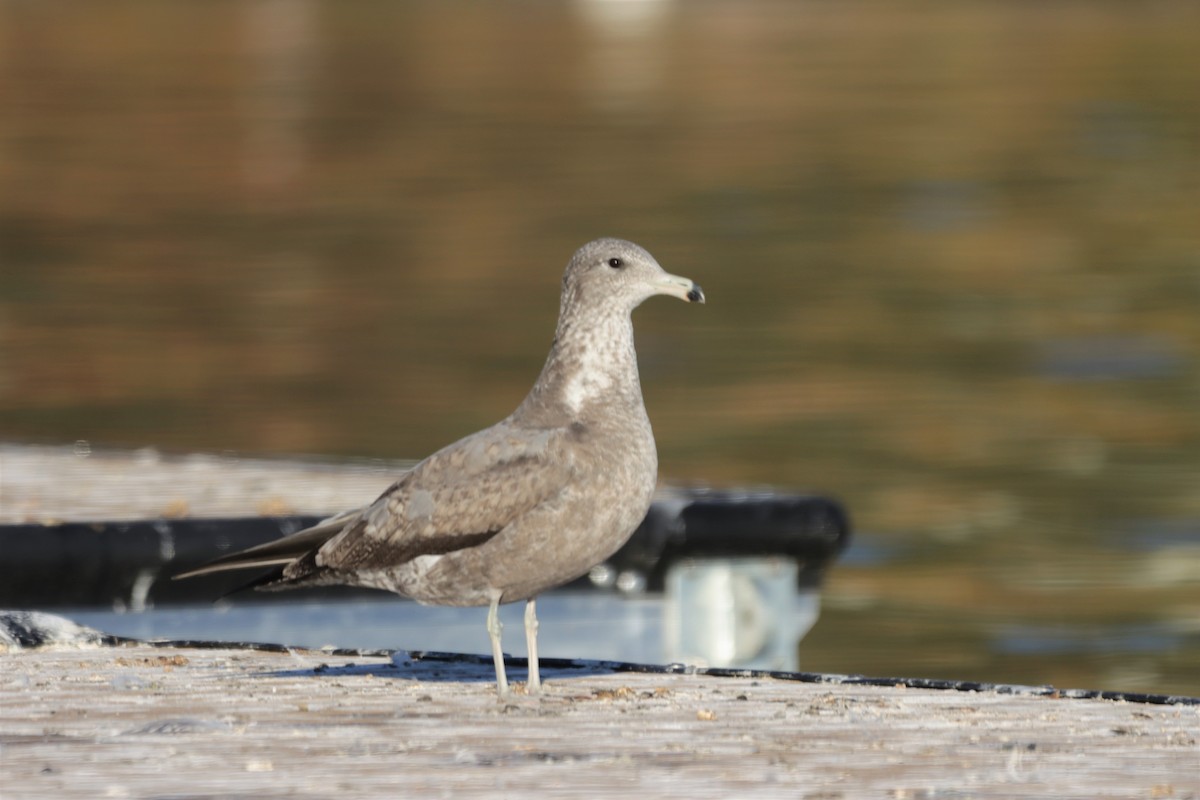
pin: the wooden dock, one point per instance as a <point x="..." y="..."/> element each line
<point x="151" y="721"/>
<point x="140" y="720"/>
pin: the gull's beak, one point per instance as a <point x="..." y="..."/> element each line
<point x="683" y="288"/>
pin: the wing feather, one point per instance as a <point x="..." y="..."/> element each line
<point x="280" y="551"/>
<point x="457" y="498"/>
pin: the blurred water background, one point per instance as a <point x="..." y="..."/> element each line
<point x="951" y="250"/>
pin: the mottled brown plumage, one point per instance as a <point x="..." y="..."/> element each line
<point x="523" y="506"/>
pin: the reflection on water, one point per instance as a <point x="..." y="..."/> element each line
<point x="952" y="259"/>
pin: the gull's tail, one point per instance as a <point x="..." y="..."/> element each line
<point x="280" y="552"/>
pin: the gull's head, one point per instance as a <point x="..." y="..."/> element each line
<point x="621" y="272"/>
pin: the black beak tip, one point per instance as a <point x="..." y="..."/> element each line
<point x="696" y="295"/>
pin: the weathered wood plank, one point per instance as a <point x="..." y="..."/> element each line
<point x="55" y="484"/>
<point x="143" y="721"/>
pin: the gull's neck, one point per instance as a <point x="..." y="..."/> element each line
<point x="592" y="364"/>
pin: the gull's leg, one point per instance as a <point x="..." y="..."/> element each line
<point x="494" y="627"/>
<point x="533" y="683"/>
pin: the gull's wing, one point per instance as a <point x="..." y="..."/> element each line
<point x="279" y="551"/>
<point x="459" y="497"/>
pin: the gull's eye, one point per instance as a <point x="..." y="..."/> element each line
<point x="616" y="263"/>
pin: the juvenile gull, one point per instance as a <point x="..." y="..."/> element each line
<point x="532" y="502"/>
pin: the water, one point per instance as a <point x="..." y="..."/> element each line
<point x="951" y="253"/>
